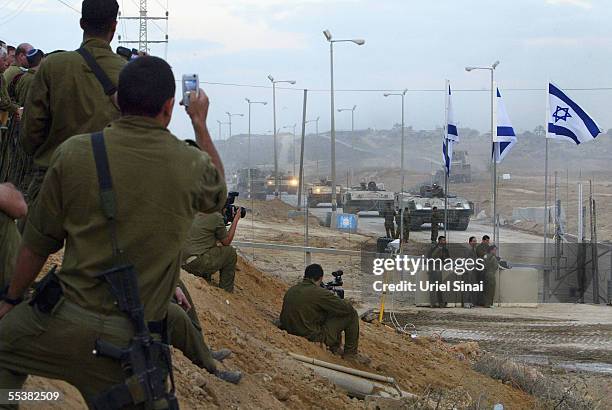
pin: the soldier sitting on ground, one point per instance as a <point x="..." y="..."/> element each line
<point x="318" y="315"/>
<point x="202" y="256"/>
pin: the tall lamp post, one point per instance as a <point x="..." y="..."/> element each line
<point x="276" y="178"/>
<point x="230" y="115"/>
<point x="493" y="139"/>
<point x="317" y="124"/>
<point x="352" y="110"/>
<point x="249" y="102"/>
<point x="403" y="95"/>
<point x="329" y="38"/>
<point x="220" y="124"/>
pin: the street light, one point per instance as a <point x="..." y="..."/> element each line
<point x="220" y="124"/>
<point x="276" y="178"/>
<point x="317" y="124"/>
<point x="352" y="110"/>
<point x="329" y="38"/>
<point x="493" y="138"/>
<point x="403" y="95"/>
<point x="249" y="143"/>
<point x="230" y="115"/>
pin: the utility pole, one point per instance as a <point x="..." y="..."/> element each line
<point x="143" y="19"/>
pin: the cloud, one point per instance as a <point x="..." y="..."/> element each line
<point x="585" y="4"/>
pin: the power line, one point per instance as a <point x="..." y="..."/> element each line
<point x="69" y="6"/>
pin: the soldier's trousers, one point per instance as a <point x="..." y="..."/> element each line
<point x="186" y="337"/>
<point x="490" y="282"/>
<point x="334" y="326"/>
<point x="220" y="258"/>
<point x="9" y="245"/>
<point x="59" y="345"/>
<point x="390" y="230"/>
<point x="436" y="297"/>
<point x="434" y="234"/>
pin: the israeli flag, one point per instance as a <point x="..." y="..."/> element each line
<point x="566" y="120"/>
<point x="506" y="138"/>
<point x="452" y="135"/>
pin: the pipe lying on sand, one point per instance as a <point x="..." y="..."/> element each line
<point x="343" y="369"/>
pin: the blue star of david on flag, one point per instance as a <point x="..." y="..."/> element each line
<point x="561" y="117"/>
<point x="567" y="120"/>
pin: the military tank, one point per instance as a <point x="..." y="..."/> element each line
<point x="257" y="190"/>
<point x="367" y="197"/>
<point x="421" y="204"/>
<point x="461" y="170"/>
<point x="287" y="183"/>
<point x="321" y="193"/>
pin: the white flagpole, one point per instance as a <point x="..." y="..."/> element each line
<point x="445" y="141"/>
<point x="495" y="149"/>
<point x="546" y="175"/>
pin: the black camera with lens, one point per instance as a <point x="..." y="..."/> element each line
<point x="335" y="285"/>
<point x="128" y="54"/>
<point x="230" y="209"/>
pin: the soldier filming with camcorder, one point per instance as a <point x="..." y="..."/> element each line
<point x="208" y="247"/>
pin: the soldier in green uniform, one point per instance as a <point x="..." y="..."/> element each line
<point x="389" y="214"/>
<point x="153" y="216"/>
<point x="66" y="98"/>
<point x="398" y="223"/>
<point x="468" y="299"/>
<point x="20" y="85"/>
<point x="12" y="206"/>
<point x="439" y="254"/>
<point x="6" y="104"/>
<point x="481" y="250"/>
<point x="407" y="222"/>
<point x="490" y="278"/>
<point x="20" y="62"/>
<point x="203" y="257"/>
<point x="317" y="314"/>
<point x="435" y="224"/>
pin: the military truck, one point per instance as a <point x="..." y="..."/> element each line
<point x="461" y="170"/>
<point x="287" y="183"/>
<point x="258" y="188"/>
<point x="367" y="197"/>
<point x="321" y="193"/>
<point x="421" y="204"/>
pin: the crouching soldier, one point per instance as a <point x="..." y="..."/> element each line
<point x="318" y="315"/>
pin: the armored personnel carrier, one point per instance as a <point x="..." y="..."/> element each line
<point x="321" y="193"/>
<point x="258" y="183"/>
<point x="461" y="170"/>
<point x="287" y="183"/>
<point x="367" y="197"/>
<point x="422" y="203"/>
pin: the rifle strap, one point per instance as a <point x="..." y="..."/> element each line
<point x="107" y="84"/>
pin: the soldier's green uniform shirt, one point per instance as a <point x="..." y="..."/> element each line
<point x="159" y="182"/>
<point x="23" y="85"/>
<point x="482" y="249"/>
<point x="204" y="233"/>
<point x="11" y="72"/>
<point x="306" y="306"/>
<point x="66" y="99"/>
<point x="5" y="101"/>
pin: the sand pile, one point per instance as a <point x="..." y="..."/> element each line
<point x="243" y="322"/>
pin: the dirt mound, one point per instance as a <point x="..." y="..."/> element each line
<point x="243" y="322"/>
<point x="274" y="210"/>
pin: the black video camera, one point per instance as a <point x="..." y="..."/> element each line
<point x="128" y="54"/>
<point x="231" y="209"/>
<point x="336" y="284"/>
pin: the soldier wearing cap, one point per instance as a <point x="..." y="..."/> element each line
<point x="20" y="62"/>
<point x="65" y="97"/>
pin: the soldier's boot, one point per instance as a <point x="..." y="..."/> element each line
<point x="227" y="273"/>
<point x="229" y="376"/>
<point x="220" y="355"/>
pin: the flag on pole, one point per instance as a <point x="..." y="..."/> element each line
<point x="566" y="120"/>
<point x="452" y="134"/>
<point x="506" y="138"/>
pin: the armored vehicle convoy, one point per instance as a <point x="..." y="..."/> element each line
<point x="367" y="197"/>
<point x="422" y="203"/>
<point x="321" y="193"/>
<point x="287" y="183"/>
<point x="258" y="183"/>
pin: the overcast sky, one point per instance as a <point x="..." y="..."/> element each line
<point x="409" y="44"/>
